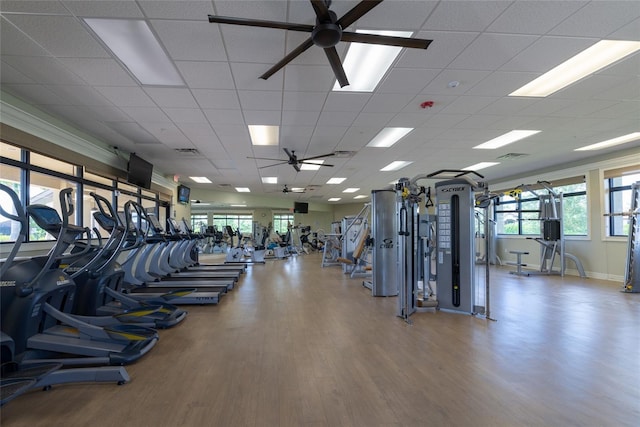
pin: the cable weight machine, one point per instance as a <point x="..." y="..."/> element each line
<point x="454" y="244"/>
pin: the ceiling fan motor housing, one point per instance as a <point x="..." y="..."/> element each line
<point x="327" y="34"/>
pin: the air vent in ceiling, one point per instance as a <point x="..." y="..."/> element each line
<point x="509" y="156"/>
<point x="187" y="151"/>
<point x="343" y="154"/>
<point x="224" y="185"/>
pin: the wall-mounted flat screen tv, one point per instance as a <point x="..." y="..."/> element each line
<point x="184" y="194"/>
<point x="300" y="207"/>
<point x="139" y="171"/>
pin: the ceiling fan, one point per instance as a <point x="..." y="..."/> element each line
<point x="326" y="33"/>
<point x="294" y="160"/>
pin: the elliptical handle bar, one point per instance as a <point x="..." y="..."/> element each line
<point x="20" y="217"/>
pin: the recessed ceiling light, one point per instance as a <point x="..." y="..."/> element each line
<point x="264" y="135"/>
<point x="333" y="199"/>
<point x="336" y="180"/>
<point x="361" y="196"/>
<point x="585" y="63"/>
<point x="481" y="165"/>
<point x="350" y="190"/>
<point x="507" y="138"/>
<point x="366" y="64"/>
<point x="133" y="43"/>
<point x="311" y="167"/>
<point x="297" y="189"/>
<point x="388" y="136"/>
<point x="201" y="179"/>
<point x="243" y="190"/>
<point x="238" y="206"/>
<point x="394" y="166"/>
<point x="611" y="142"/>
<point x="269" y="179"/>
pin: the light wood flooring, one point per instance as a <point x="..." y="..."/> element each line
<point x="299" y="345"/>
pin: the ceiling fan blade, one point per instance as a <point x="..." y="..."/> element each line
<point x="265" y="158"/>
<point x="290" y="57"/>
<point x="321" y="9"/>
<point x="385" y="40"/>
<point x="318" y="157"/>
<point x="336" y="65"/>
<point x="289" y="153"/>
<point x="303" y="162"/>
<point x="275" y="164"/>
<point x="260" y="23"/>
<point x="296" y="167"/>
<point x="356" y="13"/>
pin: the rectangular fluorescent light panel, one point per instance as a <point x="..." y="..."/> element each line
<point x="388" y="136"/>
<point x="333" y="199"/>
<point x="133" y="43"/>
<point x="269" y="179"/>
<point x="297" y="189"/>
<point x="585" y="63"/>
<point x="394" y="166"/>
<point x="506" y="139"/>
<point x="243" y="190"/>
<point x="350" y="190"/>
<point x="311" y="167"/>
<point x="264" y="135"/>
<point x="238" y="206"/>
<point x="201" y="179"/>
<point x="611" y="142"/>
<point x="336" y="180"/>
<point x="366" y="64"/>
<point x="361" y="196"/>
<point x="481" y="165"/>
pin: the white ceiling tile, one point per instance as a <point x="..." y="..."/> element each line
<point x="134" y="132"/>
<point x="257" y="45"/>
<point x="546" y="53"/>
<point x="185" y="115"/>
<point x="108" y="113"/>
<point x="99" y="71"/>
<point x="33" y="6"/>
<point x="36" y="94"/>
<point x="301" y="118"/>
<point x="627" y="32"/>
<point x="341" y="118"/>
<point x="9" y="75"/>
<point x="466" y="79"/>
<point x="507" y="106"/>
<point x="412" y="120"/>
<point x="74" y="41"/>
<point x="581" y="109"/>
<point x="220" y="117"/>
<point x="253" y="9"/>
<point x="381" y="103"/>
<point x="478" y="121"/>
<point x="16" y="42"/>
<point x="390" y="15"/>
<point x="171" y="97"/>
<point x="260" y="100"/>
<point x="534" y="17"/>
<point x="292" y="134"/>
<point x="44" y="70"/>
<point x="468" y="104"/>
<point x="104" y="8"/>
<point x="176" y="9"/>
<point x="598" y="19"/>
<point x="373" y="119"/>
<point x="465" y="15"/>
<point x="206" y="75"/>
<point x="185" y="40"/>
<point x="262" y="117"/>
<point x="217" y="99"/>
<point x="500" y="83"/>
<point x="491" y="51"/>
<point x="589" y="87"/>
<point x="303" y="101"/>
<point x="80" y="95"/>
<point x="146" y="114"/>
<point x="246" y="76"/>
<point x="346" y="101"/>
<point x="126" y="96"/>
<point x="446" y="46"/>
<point x="166" y="133"/>
<point x="406" y="80"/>
<point x="308" y="78"/>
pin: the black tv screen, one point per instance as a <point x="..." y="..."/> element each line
<point x="139" y="171"/>
<point x="183" y="194"/>
<point x="300" y="207"/>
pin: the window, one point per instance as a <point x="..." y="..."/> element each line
<point x="45" y="190"/>
<point x="242" y="222"/>
<point x="518" y="212"/>
<point x="9" y="229"/>
<point x="199" y="223"/>
<point x="617" y="185"/>
<point x="281" y="222"/>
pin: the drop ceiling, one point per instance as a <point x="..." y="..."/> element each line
<point x="51" y="60"/>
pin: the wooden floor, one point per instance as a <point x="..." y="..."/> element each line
<point x="299" y="345"/>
